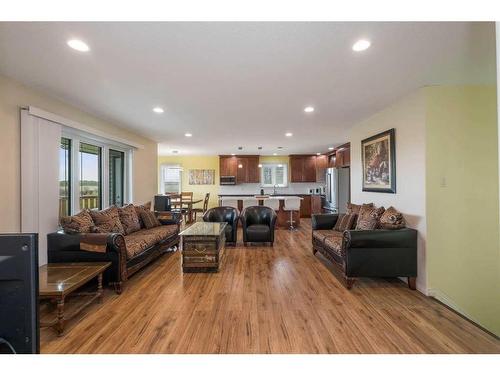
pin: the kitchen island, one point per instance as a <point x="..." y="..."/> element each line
<point x="283" y="219"/>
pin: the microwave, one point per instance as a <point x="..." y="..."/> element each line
<point x="228" y="180"/>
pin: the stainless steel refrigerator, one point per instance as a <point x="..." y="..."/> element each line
<point x="338" y="190"/>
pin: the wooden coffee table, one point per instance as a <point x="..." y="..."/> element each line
<point x="202" y="247"/>
<point x="58" y="280"/>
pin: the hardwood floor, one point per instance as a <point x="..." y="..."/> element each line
<point x="266" y="300"/>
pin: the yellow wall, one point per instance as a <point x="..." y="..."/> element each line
<point x="463" y="252"/>
<point x="13" y="96"/>
<point x="196" y="162"/>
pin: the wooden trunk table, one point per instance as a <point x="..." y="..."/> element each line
<point x="58" y="280"/>
<point x="202" y="246"/>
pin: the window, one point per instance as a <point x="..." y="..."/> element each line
<point x="274" y="175"/>
<point x="116" y="180"/>
<point x="90" y="176"/>
<point x="94" y="173"/>
<point x="170" y="179"/>
<point x="65" y="177"/>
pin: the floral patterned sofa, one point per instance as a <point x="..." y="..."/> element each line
<point x="129" y="237"/>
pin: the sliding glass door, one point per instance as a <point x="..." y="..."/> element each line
<point x="90" y="176"/>
<point x="116" y="177"/>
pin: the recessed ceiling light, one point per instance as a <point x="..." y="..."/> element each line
<point x="330" y="148"/>
<point x="361" y="45"/>
<point x="233" y="154"/>
<point x="288" y="134"/>
<point x="260" y="165"/>
<point x="309" y="109"/>
<point x="318" y="153"/>
<point x="78" y="45"/>
<point x="158" y="110"/>
<point x="188" y="135"/>
<point x="280" y="165"/>
<point x="275" y="154"/>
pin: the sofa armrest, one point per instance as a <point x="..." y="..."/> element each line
<point x="381" y="238"/>
<point x="323" y="221"/>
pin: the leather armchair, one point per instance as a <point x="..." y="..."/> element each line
<point x="258" y="224"/>
<point x="227" y="215"/>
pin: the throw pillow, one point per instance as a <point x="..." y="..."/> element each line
<point x="79" y="223"/>
<point x="129" y="219"/>
<point x="369" y="219"/>
<point x="355" y="208"/>
<point x="392" y="219"/>
<point x="149" y="219"/>
<point x="139" y="209"/>
<point x="107" y="221"/>
<point x="345" y="222"/>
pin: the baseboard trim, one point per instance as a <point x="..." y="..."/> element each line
<point x="445" y="300"/>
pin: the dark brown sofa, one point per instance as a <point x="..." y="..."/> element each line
<point x="127" y="253"/>
<point x="366" y="253"/>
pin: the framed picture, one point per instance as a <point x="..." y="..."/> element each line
<point x="378" y="160"/>
<point x="201" y="176"/>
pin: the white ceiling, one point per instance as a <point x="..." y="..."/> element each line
<point x="243" y="84"/>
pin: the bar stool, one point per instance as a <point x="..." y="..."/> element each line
<point x="225" y="202"/>
<point x="292" y="205"/>
<point x="272" y="203"/>
<point x="249" y="202"/>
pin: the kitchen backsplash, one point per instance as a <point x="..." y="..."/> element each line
<point x="292" y="188"/>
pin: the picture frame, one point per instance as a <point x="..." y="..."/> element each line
<point x="378" y="161"/>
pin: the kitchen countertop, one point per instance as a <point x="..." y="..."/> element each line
<point x="278" y="197"/>
<point x="270" y="195"/>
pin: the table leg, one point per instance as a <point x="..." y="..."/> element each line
<point x="99" y="288"/>
<point x="60" y="316"/>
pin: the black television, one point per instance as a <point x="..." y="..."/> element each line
<point x="19" y="323"/>
<point x="162" y="203"/>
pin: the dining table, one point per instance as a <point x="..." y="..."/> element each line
<point x="188" y="205"/>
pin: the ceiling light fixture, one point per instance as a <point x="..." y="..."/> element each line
<point x="158" y="110"/>
<point x="361" y="45"/>
<point x="78" y="45"/>
<point x="318" y="153"/>
<point x="309" y="109"/>
<point x="188" y="135"/>
<point x="260" y="165"/>
<point x="233" y="154"/>
<point x="330" y="148"/>
<point x="288" y="134"/>
<point x="274" y="154"/>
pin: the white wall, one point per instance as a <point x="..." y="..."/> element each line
<point x="408" y="117"/>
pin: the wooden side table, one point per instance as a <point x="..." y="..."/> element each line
<point x="58" y="280"/>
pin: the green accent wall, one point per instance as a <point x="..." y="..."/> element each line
<point x="463" y="249"/>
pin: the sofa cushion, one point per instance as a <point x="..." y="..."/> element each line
<point x="143" y="239"/>
<point x="335" y="244"/>
<point x="142" y="208"/>
<point x="356" y="208"/>
<point x="392" y="219"/>
<point x="129" y="219"/>
<point x="107" y="221"/>
<point x="345" y="222"/>
<point x="80" y="223"/>
<point x="149" y="219"/>
<point x="369" y="219"/>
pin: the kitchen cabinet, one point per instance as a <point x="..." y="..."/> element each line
<point x="303" y="168"/>
<point x="244" y="168"/>
<point x="321" y="165"/>
<point x="228" y="165"/>
<point x="340" y="157"/>
<point x="316" y="204"/>
<point x="305" y="206"/>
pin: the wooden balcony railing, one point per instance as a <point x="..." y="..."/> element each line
<point x="86" y="201"/>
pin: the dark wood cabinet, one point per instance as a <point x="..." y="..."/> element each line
<point x="228" y="165"/>
<point x="340" y="157"/>
<point x="305" y="206"/>
<point x="303" y="168"/>
<point x="244" y="168"/>
<point x="316" y="204"/>
<point x="321" y="165"/>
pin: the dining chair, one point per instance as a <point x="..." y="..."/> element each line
<point x="177" y="205"/>
<point x="205" y="206"/>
